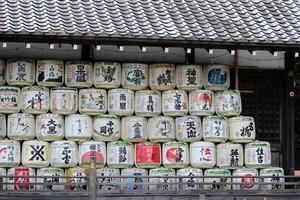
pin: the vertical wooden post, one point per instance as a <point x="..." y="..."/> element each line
<point x="190" y="57"/>
<point x="92" y="181"/>
<point x="86" y="52"/>
<point x="236" y="69"/>
<point x="288" y="118"/>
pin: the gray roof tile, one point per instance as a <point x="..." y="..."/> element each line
<point x="231" y="20"/>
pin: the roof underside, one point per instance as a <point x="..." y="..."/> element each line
<point x="227" y="22"/>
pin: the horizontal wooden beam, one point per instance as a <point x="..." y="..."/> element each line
<point x="185" y="43"/>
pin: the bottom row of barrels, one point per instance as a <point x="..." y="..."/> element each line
<point x="137" y="180"/>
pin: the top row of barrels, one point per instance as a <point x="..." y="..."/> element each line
<point x="108" y="75"/>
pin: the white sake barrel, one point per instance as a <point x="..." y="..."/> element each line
<point x="191" y="181"/>
<point x="79" y="74"/>
<point x="2" y="72"/>
<point x="3" y="179"/>
<point x="63" y="100"/>
<point x="272" y="175"/>
<point x="92" y="151"/>
<point x="218" y="183"/>
<point x="134" y="129"/>
<point x="228" y="103"/>
<point x="92" y="101"/>
<point x="2" y="126"/>
<point x="164" y="183"/>
<point x="50" y="73"/>
<point x="120" y="102"/>
<point x="162" y="77"/>
<point x="109" y="179"/>
<point x="63" y="154"/>
<point x="50" y="127"/>
<point x="107" y="75"/>
<point x="147" y="155"/>
<point x="10" y="153"/>
<point x="174" y="102"/>
<point x="201" y="102"/>
<point x="106" y="128"/>
<point x="246" y="181"/>
<point x="230" y="156"/>
<point x="78" y="178"/>
<point x="161" y="129"/>
<point x="21" y="181"/>
<point x="215" y="129"/>
<point x="21" y="126"/>
<point x="188" y="128"/>
<point x="258" y="154"/>
<point x="20" y="72"/>
<point x="135" y="183"/>
<point x="189" y="77"/>
<point x="135" y="76"/>
<point x="147" y="103"/>
<point x="175" y="154"/>
<point x="120" y="154"/>
<point x="242" y="129"/>
<point x="51" y="182"/>
<point x="203" y="154"/>
<point x="35" y="99"/>
<point x="216" y="77"/>
<point x="35" y="154"/>
<point x="10" y="99"/>
<point x="78" y="127"/>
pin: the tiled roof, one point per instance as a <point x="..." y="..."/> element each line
<point x="217" y="20"/>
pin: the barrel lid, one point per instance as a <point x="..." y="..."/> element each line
<point x="120" y="143"/>
<point x="147" y="91"/>
<point x="272" y="170"/>
<point x="217" y="171"/>
<point x="50" y="60"/>
<point x="162" y="170"/>
<point x="76" y="62"/>
<point x="258" y="143"/>
<point x="115" y="90"/>
<point x="107" y="116"/>
<point x="215" y="117"/>
<point x="176" y="143"/>
<point x="162" y="65"/>
<point x="63" y="88"/>
<point x="9" y="89"/>
<point x="35" y="88"/>
<point x="20" y="60"/>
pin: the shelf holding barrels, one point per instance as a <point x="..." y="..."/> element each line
<point x="131" y="119"/>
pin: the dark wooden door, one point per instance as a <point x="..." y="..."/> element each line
<point x="263" y="98"/>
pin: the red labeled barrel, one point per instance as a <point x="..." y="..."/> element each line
<point x="147" y="155"/>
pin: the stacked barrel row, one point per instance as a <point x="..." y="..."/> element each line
<point x="105" y="114"/>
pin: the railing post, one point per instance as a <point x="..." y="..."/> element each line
<point x="92" y="181"/>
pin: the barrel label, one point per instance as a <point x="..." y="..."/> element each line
<point x="107" y="73"/>
<point x="148" y="103"/>
<point x="65" y="101"/>
<point x="21" y="183"/>
<point x="148" y="154"/>
<point x="20" y="71"/>
<point x="7" y="153"/>
<point x="9" y="99"/>
<point x="248" y="181"/>
<point x="50" y="72"/>
<point x="93" y="101"/>
<point x="35" y="100"/>
<point x="217" y="76"/>
<point x="201" y="102"/>
<point x="121" y="102"/>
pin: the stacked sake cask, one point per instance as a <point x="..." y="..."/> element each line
<point x="135" y="120"/>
